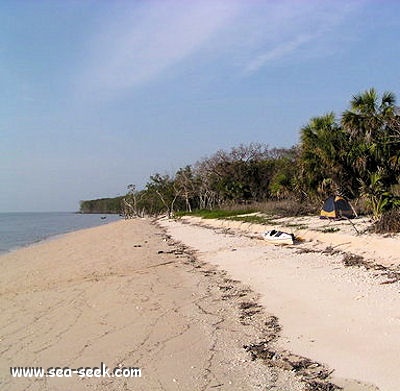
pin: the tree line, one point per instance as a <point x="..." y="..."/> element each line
<point x="356" y="154"/>
<point x="102" y="205"/>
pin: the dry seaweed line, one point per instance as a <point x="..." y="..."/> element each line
<point x="314" y="375"/>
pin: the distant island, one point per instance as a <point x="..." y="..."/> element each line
<point x="101" y="206"/>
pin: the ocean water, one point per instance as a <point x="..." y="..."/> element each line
<point x="22" y="229"/>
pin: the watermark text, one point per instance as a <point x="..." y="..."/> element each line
<point x="100" y="371"/>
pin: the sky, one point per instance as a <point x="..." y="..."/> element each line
<point x="97" y="95"/>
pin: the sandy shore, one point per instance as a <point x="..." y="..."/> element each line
<point x="124" y="295"/>
<point x="201" y="308"/>
<point x="345" y="317"/>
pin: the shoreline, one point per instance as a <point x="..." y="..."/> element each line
<point x="50" y="236"/>
<point x="123" y="294"/>
<point x="246" y="339"/>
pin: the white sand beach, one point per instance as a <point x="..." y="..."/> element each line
<point x="222" y="311"/>
<point x="345" y="317"/>
<point x="125" y="296"/>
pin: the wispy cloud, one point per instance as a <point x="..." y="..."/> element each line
<point x="295" y="29"/>
<point x="139" y="41"/>
<point x="278" y="51"/>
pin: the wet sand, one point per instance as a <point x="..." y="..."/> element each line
<point x="126" y="296"/>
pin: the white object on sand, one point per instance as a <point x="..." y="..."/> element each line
<point x="278" y="237"/>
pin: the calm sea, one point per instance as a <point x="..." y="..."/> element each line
<point x="22" y="229"/>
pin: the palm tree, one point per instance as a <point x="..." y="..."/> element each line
<point x="321" y="155"/>
<point x="374" y="145"/>
<point x="368" y="114"/>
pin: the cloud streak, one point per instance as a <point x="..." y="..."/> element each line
<point x="137" y="43"/>
<point x="277" y="53"/>
<point x="294" y="30"/>
<point x="140" y="43"/>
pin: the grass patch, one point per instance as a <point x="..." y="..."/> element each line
<point x="330" y="230"/>
<point x="214" y="214"/>
<point x="254" y="219"/>
<point x="298" y="226"/>
<point x="277" y="209"/>
<point x="234" y="215"/>
<point x="289" y="208"/>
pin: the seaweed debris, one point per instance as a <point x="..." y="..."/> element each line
<point x="315" y="375"/>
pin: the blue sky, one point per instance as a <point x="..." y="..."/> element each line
<point x="96" y="95"/>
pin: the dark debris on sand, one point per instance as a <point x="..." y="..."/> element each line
<point x="314" y="375"/>
<point x="353" y="260"/>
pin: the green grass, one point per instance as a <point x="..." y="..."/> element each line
<point x="298" y="226"/>
<point x="330" y="230"/>
<point x="214" y="214"/>
<point x="234" y="215"/>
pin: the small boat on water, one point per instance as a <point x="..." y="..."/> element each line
<point x="278" y="237"/>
